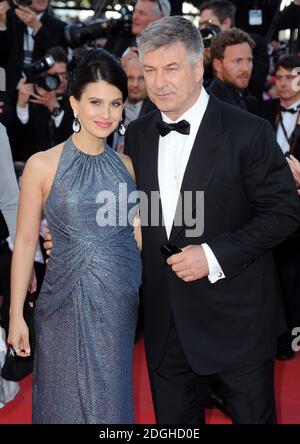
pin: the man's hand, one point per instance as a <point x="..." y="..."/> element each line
<point x="48" y="243"/>
<point x="191" y="264"/>
<point x="4" y="7"/>
<point x="28" y="17"/>
<point x="25" y="91"/>
<point x="45" y="98"/>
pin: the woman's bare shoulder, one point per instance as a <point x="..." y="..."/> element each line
<point x="43" y="161"/>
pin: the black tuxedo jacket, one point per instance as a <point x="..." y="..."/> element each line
<point x="11" y="45"/>
<point x="227" y="93"/>
<point x="250" y="205"/>
<point x="40" y="133"/>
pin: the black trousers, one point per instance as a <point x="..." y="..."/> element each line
<point x="179" y="394"/>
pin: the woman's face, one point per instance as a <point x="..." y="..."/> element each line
<point x="99" y="108"/>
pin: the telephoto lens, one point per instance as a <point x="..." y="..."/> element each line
<point x="49" y="82"/>
<point x="22" y="2"/>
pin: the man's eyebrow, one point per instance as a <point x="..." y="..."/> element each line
<point x="166" y="66"/>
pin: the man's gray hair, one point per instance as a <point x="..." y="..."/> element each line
<point x="170" y="30"/>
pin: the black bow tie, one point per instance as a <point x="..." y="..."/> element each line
<point x="289" y="110"/>
<point x="182" y="127"/>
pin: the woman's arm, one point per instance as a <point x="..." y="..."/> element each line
<point x="9" y="190"/>
<point x="28" y="227"/>
<point x="137" y="232"/>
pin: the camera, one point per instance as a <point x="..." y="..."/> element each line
<point x="77" y="35"/>
<point x="16" y="3"/>
<point x="208" y="34"/>
<point x="35" y="73"/>
<point x="22" y="2"/>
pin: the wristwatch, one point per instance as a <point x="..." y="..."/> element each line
<point x="56" y="111"/>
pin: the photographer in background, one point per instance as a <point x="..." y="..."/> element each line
<point x="26" y="33"/>
<point x="144" y="13"/>
<point x="45" y="117"/>
<point x="223" y="13"/>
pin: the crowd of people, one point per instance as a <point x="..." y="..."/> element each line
<point x="166" y="170"/>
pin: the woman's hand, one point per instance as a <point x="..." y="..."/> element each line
<point x="18" y="336"/>
<point x="295" y="169"/>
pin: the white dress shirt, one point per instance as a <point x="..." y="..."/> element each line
<point x="289" y="121"/>
<point x="23" y="116"/>
<point x="28" y="42"/>
<point x="173" y="155"/>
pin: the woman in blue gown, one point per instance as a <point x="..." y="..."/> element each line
<point x="86" y="313"/>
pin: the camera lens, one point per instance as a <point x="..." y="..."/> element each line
<point x="22" y="2"/>
<point x="49" y="82"/>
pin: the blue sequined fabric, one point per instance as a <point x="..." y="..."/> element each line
<point x="86" y="312"/>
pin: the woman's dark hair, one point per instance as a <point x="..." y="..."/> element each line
<point x="93" y="65"/>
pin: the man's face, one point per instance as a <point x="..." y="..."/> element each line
<point x="60" y="70"/>
<point x="39" y="6"/>
<point x="207" y="17"/>
<point x="145" y="12"/>
<point x="236" y="66"/>
<point x="173" y="82"/>
<point x="287" y="84"/>
<point x="136" y="82"/>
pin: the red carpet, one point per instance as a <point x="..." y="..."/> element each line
<point x="287" y="395"/>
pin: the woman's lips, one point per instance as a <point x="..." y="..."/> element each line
<point x="103" y="124"/>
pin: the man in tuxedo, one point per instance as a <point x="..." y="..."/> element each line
<point x="210" y="309"/>
<point x="284" y="115"/>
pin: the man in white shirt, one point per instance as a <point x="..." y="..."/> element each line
<point x="211" y="309"/>
<point x="284" y="114"/>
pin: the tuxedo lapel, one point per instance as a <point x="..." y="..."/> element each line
<point x="207" y="149"/>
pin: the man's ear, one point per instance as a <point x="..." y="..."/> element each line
<point x="227" y="24"/>
<point x="199" y="69"/>
<point x="217" y="66"/>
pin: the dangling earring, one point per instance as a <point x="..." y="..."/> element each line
<point x="76" y="124"/>
<point x="121" y="129"/>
